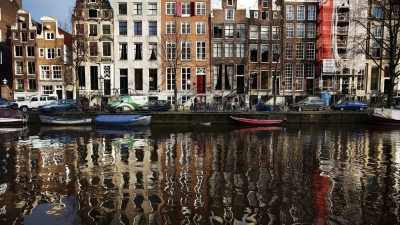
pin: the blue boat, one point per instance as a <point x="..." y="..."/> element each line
<point x="123" y="120"/>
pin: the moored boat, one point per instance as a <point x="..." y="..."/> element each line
<point x="123" y="120"/>
<point x="64" y="120"/>
<point x="12" y="117"/>
<point x="265" y="128"/>
<point x="258" y="122"/>
<point x="384" y="116"/>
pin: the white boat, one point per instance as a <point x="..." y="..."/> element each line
<point x="64" y="120"/>
<point x="384" y="116"/>
<point x="12" y="117"/>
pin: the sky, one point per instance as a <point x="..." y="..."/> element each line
<point x="60" y="9"/>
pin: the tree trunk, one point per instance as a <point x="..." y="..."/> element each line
<point x="77" y="97"/>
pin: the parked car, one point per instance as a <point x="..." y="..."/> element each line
<point x="8" y="104"/>
<point x="59" y="105"/>
<point x="157" y="105"/>
<point x="311" y="104"/>
<point x="350" y="105"/>
<point x="3" y="100"/>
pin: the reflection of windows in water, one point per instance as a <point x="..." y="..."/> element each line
<point x="139" y="180"/>
<point x="139" y="154"/>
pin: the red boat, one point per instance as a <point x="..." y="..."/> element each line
<point x="257" y="122"/>
<point x="383" y="116"/>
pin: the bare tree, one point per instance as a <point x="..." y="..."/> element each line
<point x="174" y="47"/>
<point x="382" y="45"/>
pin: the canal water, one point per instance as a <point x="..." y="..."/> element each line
<point x="196" y="174"/>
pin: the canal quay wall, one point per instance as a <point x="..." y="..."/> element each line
<point x="187" y="117"/>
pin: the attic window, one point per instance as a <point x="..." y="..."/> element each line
<point x="92" y="13"/>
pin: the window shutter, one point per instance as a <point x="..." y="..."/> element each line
<point x="179" y="8"/>
<point x="192" y="9"/>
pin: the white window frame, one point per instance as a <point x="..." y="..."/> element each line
<point x="300" y="50"/>
<point x="230" y="14"/>
<point x="289" y="30"/>
<point x="311" y="30"/>
<point x="186" y="9"/>
<point x="253" y="32"/>
<point x="290" y="12"/>
<point x="137" y="8"/>
<point x="186" y="50"/>
<point x="50" y="53"/>
<point x="185" y="75"/>
<point x="170" y="27"/>
<point x="240" y="50"/>
<point x="19" y="67"/>
<point x="264" y="47"/>
<point x="18" y="51"/>
<point x="229" y="50"/>
<point x="201" y="27"/>
<point x="57" y="72"/>
<point x="229" y="30"/>
<point x="301" y="12"/>
<point x="201" y="50"/>
<point x="170" y="78"/>
<point x="186" y="27"/>
<point x="171" y="50"/>
<point x="45" y="72"/>
<point x="49" y="35"/>
<point x="217" y="50"/>
<point x="170" y="8"/>
<point x="201" y="8"/>
<point x="310" y="52"/>
<point x="311" y="12"/>
<point x="264" y="32"/>
<point x="300" y="30"/>
<point x="151" y="10"/>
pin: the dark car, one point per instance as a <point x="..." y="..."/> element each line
<point x="3" y="100"/>
<point x="59" y="105"/>
<point x="350" y="105"/>
<point x="157" y="105"/>
<point x="311" y="104"/>
<point x="8" y="104"/>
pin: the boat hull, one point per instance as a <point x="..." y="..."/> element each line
<point x="123" y="120"/>
<point x="383" y="116"/>
<point x="256" y="122"/>
<point x="64" y="121"/>
<point x="12" y="117"/>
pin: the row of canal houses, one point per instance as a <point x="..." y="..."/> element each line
<point x="288" y="49"/>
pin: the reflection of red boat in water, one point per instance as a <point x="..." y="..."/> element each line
<point x="257" y="122"/>
<point x="252" y="129"/>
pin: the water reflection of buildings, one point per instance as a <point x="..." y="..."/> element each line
<point x="202" y="178"/>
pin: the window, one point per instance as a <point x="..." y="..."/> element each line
<point x="301" y="12"/>
<point x="200" y="8"/>
<point x="57" y="72"/>
<point x="152" y="9"/>
<point x="240" y="50"/>
<point x="290" y="12"/>
<point x="264" y="33"/>
<point x="31" y="67"/>
<point x="376" y="49"/>
<point x="217" y="30"/>
<point x="230" y="14"/>
<point x="378" y="12"/>
<point x="122" y="8"/>
<point x="201" y="27"/>
<point x="264" y="79"/>
<point x="123" y="51"/>
<point x="106" y="29"/>
<point x="92" y="29"/>
<point x="171" y="50"/>
<point x="229" y="31"/>
<point x="92" y="13"/>
<point x="186" y="53"/>
<point x="289" y="30"/>
<point x="229" y="50"/>
<point x="301" y="30"/>
<point x="153" y="28"/>
<point x="185" y="73"/>
<point x="32" y="84"/>
<point x="18" y="51"/>
<point x="137" y="28"/>
<point x="153" y="51"/>
<point x="44" y="72"/>
<point x="138" y="51"/>
<point x="31" y="35"/>
<point x="58" y="52"/>
<point x="311" y="30"/>
<point x="312" y="12"/>
<point x="48" y="89"/>
<point x="276" y="52"/>
<point x="275" y="33"/>
<point x="289" y="50"/>
<point x="137" y="8"/>
<point x="186" y="9"/>
<point x="82" y="78"/>
<point x="152" y="79"/>
<point x="265" y="15"/>
<point x="19" y="67"/>
<point x="93" y="48"/>
<point x="229" y="2"/>
<point x="123" y="28"/>
<point x="20" y="84"/>
<point x="299" y="77"/>
<point x="80" y="29"/>
<point x="253" y="53"/>
<point x="241" y="30"/>
<point x="24" y="37"/>
<point x="265" y="4"/>
<point x="170" y="78"/>
<point x="253" y="32"/>
<point x="171" y="8"/>
<point x="310" y="50"/>
<point x="201" y="50"/>
<point x="106" y="49"/>
<point x="41" y="52"/>
<point x="377" y="31"/>
<point x="310" y="70"/>
<point x="171" y="27"/>
<point x="288" y="76"/>
<point x="49" y="36"/>
<point x="50" y="53"/>
<point x="264" y="53"/>
<point x="185" y="27"/>
<point x="300" y="50"/>
<point x="217" y="49"/>
<point x="138" y="79"/>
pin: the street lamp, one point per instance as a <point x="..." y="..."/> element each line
<point x="5" y="81"/>
<point x="250" y="84"/>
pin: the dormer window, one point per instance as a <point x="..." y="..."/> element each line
<point x="92" y="13"/>
<point x="229" y="2"/>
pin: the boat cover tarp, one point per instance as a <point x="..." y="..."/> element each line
<point x="261" y="106"/>
<point x="116" y="119"/>
<point x="9" y="113"/>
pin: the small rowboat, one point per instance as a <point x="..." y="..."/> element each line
<point x="12" y="117"/>
<point x="257" y="122"/>
<point x="123" y="120"/>
<point x="64" y="121"/>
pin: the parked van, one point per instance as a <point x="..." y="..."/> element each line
<point x="34" y="101"/>
<point x="126" y="103"/>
